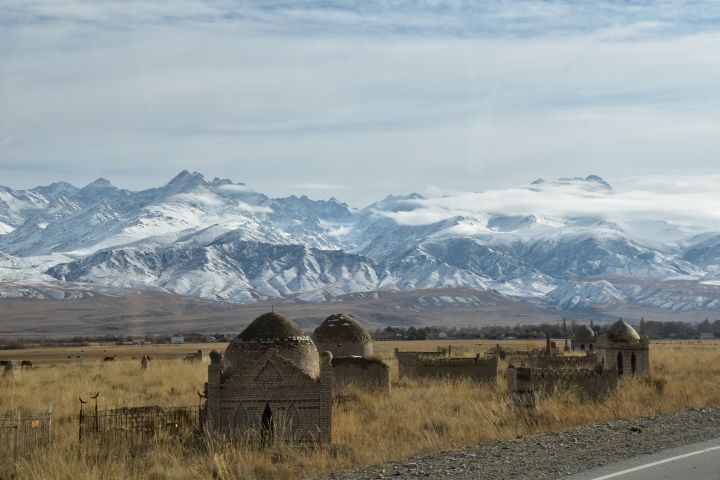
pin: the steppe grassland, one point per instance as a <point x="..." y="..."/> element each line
<point x="416" y="418"/>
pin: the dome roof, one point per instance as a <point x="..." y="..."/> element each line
<point x="270" y="326"/>
<point x="272" y="331"/>
<point x="584" y="333"/>
<point x="622" y="332"/>
<point x="341" y="328"/>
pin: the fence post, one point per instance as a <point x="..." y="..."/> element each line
<point x="81" y="420"/>
<point x="97" y="418"/>
<point x="17" y="437"/>
<point x="50" y="426"/>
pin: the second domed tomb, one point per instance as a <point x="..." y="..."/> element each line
<point x="342" y="335"/>
<point x="272" y="384"/>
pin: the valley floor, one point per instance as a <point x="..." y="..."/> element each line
<point x="416" y="420"/>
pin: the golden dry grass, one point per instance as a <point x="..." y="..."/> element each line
<point x="416" y="418"/>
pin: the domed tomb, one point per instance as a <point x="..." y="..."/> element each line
<point x="584" y="333"/>
<point x="622" y="332"/>
<point x="342" y="335"/>
<point x="623" y="349"/>
<point x="583" y="338"/>
<point x="272" y="331"/>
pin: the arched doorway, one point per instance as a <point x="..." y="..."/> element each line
<point x="266" y="427"/>
<point x="620" y="363"/>
<point x="633" y="363"/>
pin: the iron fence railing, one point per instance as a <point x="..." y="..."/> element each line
<point x="138" y="424"/>
<point x="21" y="436"/>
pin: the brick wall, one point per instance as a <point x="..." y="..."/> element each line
<point x="346" y="349"/>
<point x="591" y="383"/>
<point x="556" y="361"/>
<point x="436" y="364"/>
<point x="371" y="374"/>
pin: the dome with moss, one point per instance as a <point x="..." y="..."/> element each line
<point x="272" y="331"/>
<point x="622" y="332"/>
<point x="342" y="335"/>
<point x="584" y="334"/>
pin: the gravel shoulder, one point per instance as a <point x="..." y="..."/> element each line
<point x="555" y="455"/>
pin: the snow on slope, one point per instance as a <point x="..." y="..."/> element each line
<point x="227" y="269"/>
<point x="222" y="240"/>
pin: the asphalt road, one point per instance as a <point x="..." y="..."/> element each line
<point x="699" y="461"/>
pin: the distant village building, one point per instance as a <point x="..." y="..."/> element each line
<point x="707" y="336"/>
<point x="271" y="383"/>
<point x="177" y="339"/>
<point x="623" y="349"/>
<point x="584" y="339"/>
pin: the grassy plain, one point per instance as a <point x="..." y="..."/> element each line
<point x="417" y="417"/>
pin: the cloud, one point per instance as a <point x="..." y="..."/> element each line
<point x="234" y="187"/>
<point x="691" y="202"/>
<point x="463" y="94"/>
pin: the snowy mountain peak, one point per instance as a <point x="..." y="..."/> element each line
<point x="186" y="179"/>
<point x="99" y="183"/>
<point x="592" y="182"/>
<point x="397" y="203"/>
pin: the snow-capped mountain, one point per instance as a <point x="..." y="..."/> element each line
<point x="221" y="240"/>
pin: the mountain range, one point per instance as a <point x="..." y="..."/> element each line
<point x="222" y="241"/>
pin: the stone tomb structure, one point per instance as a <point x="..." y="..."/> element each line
<point x="526" y="383"/>
<point x="441" y="365"/>
<point x="589" y="360"/>
<point x="621" y="348"/>
<point x="271" y="385"/>
<point x="343" y="336"/>
<point x="352" y="348"/>
<point x="584" y="339"/>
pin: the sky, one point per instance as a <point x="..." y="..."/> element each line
<point x="358" y="100"/>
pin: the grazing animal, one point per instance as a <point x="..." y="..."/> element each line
<point x="8" y="367"/>
<point x="194" y="356"/>
<point x="109" y="359"/>
<point x="144" y="362"/>
<point x="26" y="364"/>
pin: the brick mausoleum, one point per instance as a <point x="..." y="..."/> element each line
<point x="271" y="383"/>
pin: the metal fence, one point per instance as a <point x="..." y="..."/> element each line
<point x="21" y="436"/>
<point x="138" y="424"/>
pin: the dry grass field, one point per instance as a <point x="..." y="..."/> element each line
<point x="416" y="417"/>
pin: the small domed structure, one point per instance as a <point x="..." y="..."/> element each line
<point x="584" y="338"/>
<point x="584" y="332"/>
<point x="623" y="349"/>
<point x="342" y="335"/>
<point x="622" y="332"/>
<point x="272" y="331"/>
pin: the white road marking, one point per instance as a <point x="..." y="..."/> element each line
<point x="659" y="462"/>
